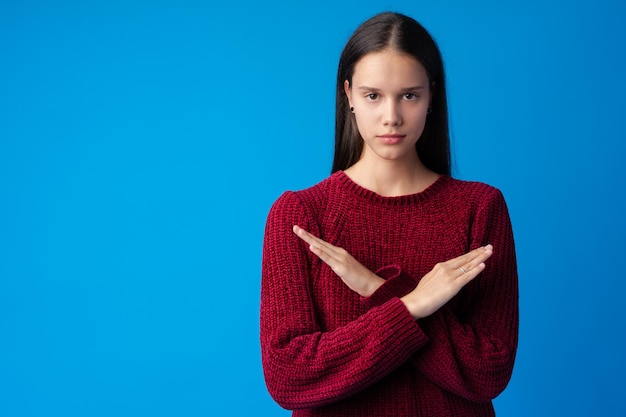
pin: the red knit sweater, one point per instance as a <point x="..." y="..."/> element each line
<point x="329" y="352"/>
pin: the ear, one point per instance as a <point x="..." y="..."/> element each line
<point x="348" y="91"/>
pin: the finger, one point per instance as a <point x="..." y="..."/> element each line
<point x="471" y="273"/>
<point x="324" y="250"/>
<point x="304" y="235"/>
<point x="476" y="262"/>
<point x="313" y="240"/>
<point x="329" y="257"/>
<point x="478" y="255"/>
<point x="480" y="259"/>
<point x="322" y="254"/>
<point x="475" y="266"/>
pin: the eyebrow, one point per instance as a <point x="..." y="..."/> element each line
<point x="415" y="88"/>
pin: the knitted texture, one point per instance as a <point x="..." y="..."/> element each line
<point x="327" y="351"/>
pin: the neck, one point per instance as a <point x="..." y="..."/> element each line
<point x="392" y="178"/>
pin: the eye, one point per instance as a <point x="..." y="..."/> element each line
<point x="410" y="96"/>
<point x="372" y="96"/>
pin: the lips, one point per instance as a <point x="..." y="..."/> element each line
<point x="391" y="139"/>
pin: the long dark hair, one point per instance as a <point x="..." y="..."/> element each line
<point x="403" y="34"/>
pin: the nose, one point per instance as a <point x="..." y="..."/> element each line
<point x="392" y="114"/>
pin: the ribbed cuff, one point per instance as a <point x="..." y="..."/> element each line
<point x="400" y="329"/>
<point x="397" y="284"/>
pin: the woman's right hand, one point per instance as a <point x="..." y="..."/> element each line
<point x="356" y="276"/>
<point x="445" y="281"/>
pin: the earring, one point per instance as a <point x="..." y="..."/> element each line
<point x="430" y="110"/>
<point x="352" y="109"/>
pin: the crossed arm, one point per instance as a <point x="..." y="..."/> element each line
<point x="435" y="289"/>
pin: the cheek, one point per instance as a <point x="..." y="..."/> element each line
<point x="364" y="123"/>
<point x="420" y="115"/>
<point x="417" y="122"/>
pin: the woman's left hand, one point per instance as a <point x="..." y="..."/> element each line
<point x="357" y="277"/>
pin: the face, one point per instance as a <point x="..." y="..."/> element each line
<point x="390" y="93"/>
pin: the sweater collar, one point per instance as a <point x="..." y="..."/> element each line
<point x="351" y="187"/>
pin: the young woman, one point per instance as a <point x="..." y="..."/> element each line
<point x="390" y="288"/>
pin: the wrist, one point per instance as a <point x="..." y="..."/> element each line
<point x="373" y="284"/>
<point x="412" y="304"/>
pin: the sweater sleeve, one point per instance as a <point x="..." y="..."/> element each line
<point x="397" y="284"/>
<point x="472" y="350"/>
<point x="304" y="366"/>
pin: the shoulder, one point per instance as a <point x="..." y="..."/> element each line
<point x="307" y="203"/>
<point x="486" y="206"/>
<point x="474" y="192"/>
<point x="310" y="198"/>
<point x="471" y="198"/>
<point x="472" y="188"/>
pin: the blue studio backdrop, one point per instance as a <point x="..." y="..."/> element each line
<point x="142" y="144"/>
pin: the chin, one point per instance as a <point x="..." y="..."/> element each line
<point x="393" y="156"/>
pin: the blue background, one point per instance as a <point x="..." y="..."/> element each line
<point x="142" y="144"/>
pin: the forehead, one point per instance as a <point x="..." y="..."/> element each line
<point x="389" y="68"/>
